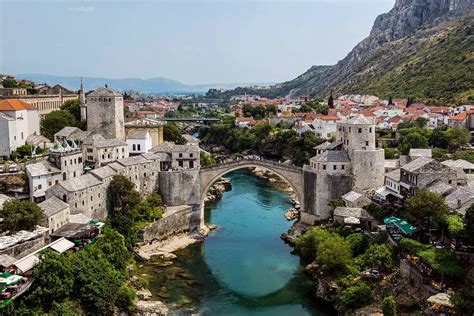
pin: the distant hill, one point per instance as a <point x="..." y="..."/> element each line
<point x="152" y="86"/>
<point x="421" y="49"/>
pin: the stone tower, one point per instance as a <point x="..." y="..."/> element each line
<point x="357" y="135"/>
<point x="82" y="103"/>
<point x="105" y="113"/>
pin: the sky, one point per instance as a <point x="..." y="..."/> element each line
<point x="193" y="41"/>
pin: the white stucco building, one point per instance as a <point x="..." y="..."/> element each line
<point x="138" y="141"/>
<point x="325" y="126"/>
<point x="18" y="120"/>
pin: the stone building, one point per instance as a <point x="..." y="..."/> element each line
<point x="99" y="151"/>
<point x="55" y="214"/>
<point x="105" y="114"/>
<point x="182" y="156"/>
<point x="41" y="176"/>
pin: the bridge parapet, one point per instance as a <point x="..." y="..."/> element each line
<point x="261" y="162"/>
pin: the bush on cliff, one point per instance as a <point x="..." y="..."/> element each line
<point x="389" y="306"/>
<point x="377" y="257"/>
<point x="307" y="244"/>
<point x="333" y="254"/>
<point x="355" y="296"/>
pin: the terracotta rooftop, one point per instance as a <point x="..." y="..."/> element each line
<point x="15" y="105"/>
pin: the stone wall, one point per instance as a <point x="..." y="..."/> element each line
<point x="328" y="187"/>
<point x="176" y="220"/>
<point x="368" y="168"/>
<point x="180" y="187"/>
<point x="25" y="248"/>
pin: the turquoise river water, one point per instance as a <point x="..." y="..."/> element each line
<point x="243" y="267"/>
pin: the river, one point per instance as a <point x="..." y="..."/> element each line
<point x="243" y="267"/>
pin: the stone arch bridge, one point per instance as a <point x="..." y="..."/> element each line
<point x="290" y="174"/>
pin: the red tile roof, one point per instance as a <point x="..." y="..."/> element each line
<point x="15" y="105"/>
<point x="460" y="117"/>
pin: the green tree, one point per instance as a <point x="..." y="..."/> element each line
<point x="23" y="151"/>
<point x="307" y="244"/>
<point x="125" y="298"/>
<point x="334" y="254"/>
<point x="9" y="83"/>
<point x="112" y="245"/>
<point x="171" y="133"/>
<point x="355" y="296"/>
<point x="54" y="279"/>
<point x="96" y="282"/>
<point x="73" y="107"/>
<point x="426" y="209"/>
<point x="19" y="215"/>
<point x="377" y="257"/>
<point x="389" y="306"/>
<point x="358" y="243"/>
<point x="207" y="160"/>
<point x="457" y="137"/>
<point x="469" y="224"/>
<point x="412" y="140"/>
<point x="463" y="300"/>
<point x="55" y="121"/>
<point x="454" y="224"/>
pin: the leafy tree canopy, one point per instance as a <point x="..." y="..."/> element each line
<point x="19" y="215"/>
<point x="426" y="209"/>
<point x="55" y="121"/>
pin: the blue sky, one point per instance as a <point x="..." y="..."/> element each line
<point x="220" y="41"/>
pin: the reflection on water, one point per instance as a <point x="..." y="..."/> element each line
<point x="242" y="268"/>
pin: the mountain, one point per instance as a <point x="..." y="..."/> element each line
<point x="421" y="49"/>
<point x="152" y="86"/>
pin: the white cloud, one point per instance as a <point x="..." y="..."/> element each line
<point x="82" y="9"/>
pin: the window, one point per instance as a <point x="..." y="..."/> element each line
<point x="324" y="167"/>
<point x="64" y="176"/>
<point x="334" y="167"/>
<point x="65" y="198"/>
<point x="103" y="157"/>
<point x="343" y="167"/>
<point x="74" y="174"/>
<point x="350" y="129"/>
<point x="180" y="163"/>
<point x="360" y="130"/>
<point x="21" y="135"/>
<point x="65" y="162"/>
<point x="133" y="147"/>
<point x="180" y="155"/>
<point x="40" y="186"/>
<point x="79" y="160"/>
<point x="370" y="129"/>
<point x="50" y="183"/>
<point x="138" y="146"/>
<point x="191" y="155"/>
<point x="191" y="164"/>
<point x="367" y="143"/>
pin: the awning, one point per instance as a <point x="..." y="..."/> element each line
<point x="403" y="225"/>
<point x="11" y="280"/>
<point x="383" y="192"/>
<point x="61" y="245"/>
<point x="27" y="263"/>
<point x="441" y="299"/>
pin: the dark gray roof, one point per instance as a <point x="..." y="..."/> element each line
<point x="104" y="92"/>
<point x="394" y="175"/>
<point x="137" y="134"/>
<point x="52" y="206"/>
<point x="417" y="164"/>
<point x="333" y="156"/>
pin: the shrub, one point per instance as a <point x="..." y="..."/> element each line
<point x="358" y="243"/>
<point x="124" y="298"/>
<point x="334" y="254"/>
<point x="377" y="257"/>
<point x="307" y="244"/>
<point x="355" y="296"/>
<point x="389" y="306"/>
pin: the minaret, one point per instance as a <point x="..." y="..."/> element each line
<point x="82" y="103"/>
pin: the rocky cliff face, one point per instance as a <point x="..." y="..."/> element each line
<point x="407" y="19"/>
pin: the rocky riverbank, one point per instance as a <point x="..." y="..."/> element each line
<point x="216" y="191"/>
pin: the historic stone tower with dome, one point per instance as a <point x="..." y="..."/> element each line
<point x="105" y="113"/>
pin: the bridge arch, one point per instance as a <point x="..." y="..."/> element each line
<point x="293" y="176"/>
